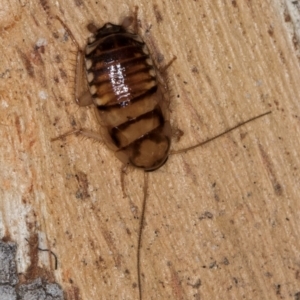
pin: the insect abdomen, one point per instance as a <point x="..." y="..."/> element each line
<point x="128" y="98"/>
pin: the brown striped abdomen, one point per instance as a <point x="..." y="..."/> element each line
<point x="130" y="101"/>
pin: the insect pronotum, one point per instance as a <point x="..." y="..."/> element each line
<point x="131" y="98"/>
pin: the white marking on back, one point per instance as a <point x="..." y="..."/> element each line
<point x="88" y="64"/>
<point x="149" y="61"/>
<point x="93" y="89"/>
<point x="90" y="77"/>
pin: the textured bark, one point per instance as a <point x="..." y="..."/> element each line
<point x="222" y="221"/>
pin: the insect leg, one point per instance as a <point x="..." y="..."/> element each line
<point x="163" y="69"/>
<point x="82" y="94"/>
<point x="87" y="133"/>
<point x="217" y="136"/>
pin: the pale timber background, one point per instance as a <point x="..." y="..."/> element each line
<point x="222" y="221"/>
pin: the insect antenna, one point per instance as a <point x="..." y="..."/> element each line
<point x="67" y="29"/>
<point x="48" y="250"/>
<point x="217" y="136"/>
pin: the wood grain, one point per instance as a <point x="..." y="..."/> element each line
<point x="222" y="221"/>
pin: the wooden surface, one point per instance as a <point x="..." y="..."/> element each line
<point x="222" y="221"/>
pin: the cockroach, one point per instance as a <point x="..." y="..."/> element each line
<point x="131" y="98"/>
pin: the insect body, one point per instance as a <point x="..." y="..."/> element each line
<point x="131" y="99"/>
<point x="130" y="96"/>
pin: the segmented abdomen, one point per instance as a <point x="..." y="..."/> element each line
<point x="128" y="98"/>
